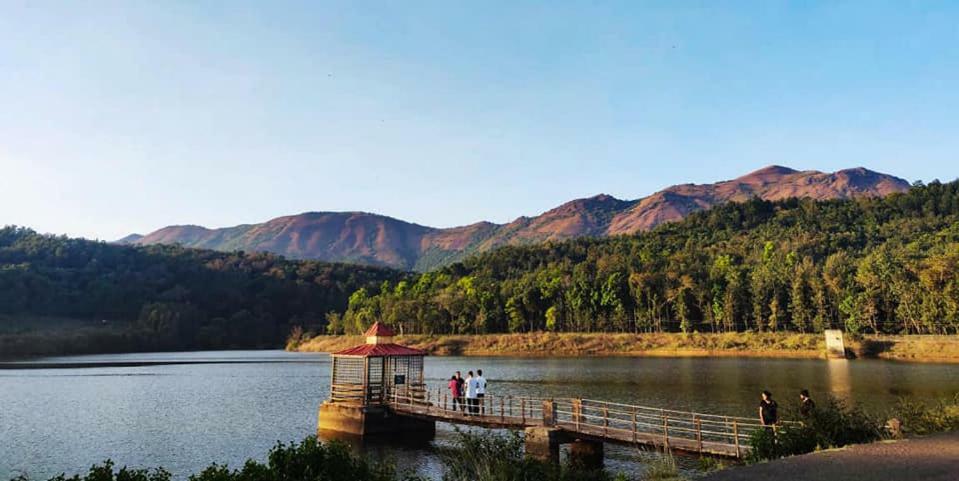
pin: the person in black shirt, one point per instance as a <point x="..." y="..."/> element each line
<point x="462" y="392"/>
<point x="767" y="410"/>
<point x="806" y="404"/>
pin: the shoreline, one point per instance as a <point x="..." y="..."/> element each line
<point x="918" y="349"/>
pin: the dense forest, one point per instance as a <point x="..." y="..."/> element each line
<point x="878" y="265"/>
<point x="100" y="297"/>
<point x="888" y="265"/>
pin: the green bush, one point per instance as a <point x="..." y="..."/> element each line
<point x="490" y="457"/>
<point x="786" y="440"/>
<point x="310" y="460"/>
<point x="918" y="418"/>
<point x="835" y="424"/>
<point x="105" y="472"/>
<point x="832" y="424"/>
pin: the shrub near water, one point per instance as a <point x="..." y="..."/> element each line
<point x="918" y="418"/>
<point x="501" y="458"/>
<point x="310" y="460"/>
<point x="834" y="424"/>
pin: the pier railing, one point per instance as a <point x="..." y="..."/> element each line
<point x="687" y="431"/>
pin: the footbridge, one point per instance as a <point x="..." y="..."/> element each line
<point x="557" y="421"/>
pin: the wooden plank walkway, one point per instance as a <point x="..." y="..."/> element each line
<point x="690" y="432"/>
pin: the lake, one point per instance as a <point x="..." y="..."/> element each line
<point x="186" y="410"/>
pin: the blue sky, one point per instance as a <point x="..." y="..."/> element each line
<point x="126" y="116"/>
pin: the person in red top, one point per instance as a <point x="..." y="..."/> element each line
<point x="455" y="393"/>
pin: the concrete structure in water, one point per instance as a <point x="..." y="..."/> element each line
<point x="835" y="347"/>
<point x="365" y="378"/>
<point x="543" y="442"/>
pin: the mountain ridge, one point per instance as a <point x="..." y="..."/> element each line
<point x="375" y="239"/>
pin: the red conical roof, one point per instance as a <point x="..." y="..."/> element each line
<point x="380" y="350"/>
<point x="381" y="330"/>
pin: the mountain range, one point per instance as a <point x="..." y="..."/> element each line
<point x="366" y="238"/>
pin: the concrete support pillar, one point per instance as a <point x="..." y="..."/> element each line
<point x="543" y="443"/>
<point x="586" y="454"/>
<point x="577" y="412"/>
<point x="549" y="413"/>
<point x="357" y="420"/>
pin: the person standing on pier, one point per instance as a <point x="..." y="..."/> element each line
<point x="461" y="390"/>
<point x="481" y="390"/>
<point x="471" y="386"/>
<point x="768" y="408"/>
<point x="454" y="386"/>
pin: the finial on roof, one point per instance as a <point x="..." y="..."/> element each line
<point x="379" y="333"/>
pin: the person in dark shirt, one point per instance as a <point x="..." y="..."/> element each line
<point x="454" y="386"/>
<point x="768" y="415"/>
<point x="459" y="389"/>
<point x="806" y="404"/>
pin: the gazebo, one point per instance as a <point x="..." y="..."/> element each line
<point x="372" y="373"/>
<point x="365" y="378"/>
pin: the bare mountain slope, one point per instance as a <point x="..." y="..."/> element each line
<point x="375" y="239"/>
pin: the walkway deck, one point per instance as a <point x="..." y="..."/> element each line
<point x="699" y="433"/>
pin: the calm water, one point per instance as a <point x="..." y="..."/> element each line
<point x="184" y="417"/>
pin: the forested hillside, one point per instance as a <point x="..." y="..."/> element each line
<point x="866" y="265"/>
<point x="70" y="295"/>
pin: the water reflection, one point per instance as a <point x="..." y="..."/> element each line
<point x="840" y="384"/>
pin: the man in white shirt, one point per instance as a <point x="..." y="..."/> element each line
<point x="481" y="390"/>
<point x="471" y="386"/>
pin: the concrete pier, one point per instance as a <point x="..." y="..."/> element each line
<point x="542" y="443"/>
<point x="586" y="454"/>
<point x="358" y="420"/>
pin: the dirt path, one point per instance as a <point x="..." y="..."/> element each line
<point x="931" y="458"/>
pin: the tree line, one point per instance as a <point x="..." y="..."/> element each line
<point x="870" y="265"/>
<point x="161" y="297"/>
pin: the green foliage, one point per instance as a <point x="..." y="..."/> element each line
<point x="474" y="458"/>
<point x="836" y="424"/>
<point x="918" y="418"/>
<point x="309" y="460"/>
<point x="663" y="468"/>
<point x="105" y="472"/>
<point x="888" y="265"/>
<point x="123" y="298"/>
<point x="786" y="440"/>
<point x="831" y="424"/>
<point x="490" y="457"/>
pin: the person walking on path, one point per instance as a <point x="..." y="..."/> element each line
<point x="471" y="386"/>
<point x="768" y="408"/>
<point x="481" y="390"/>
<point x="806" y="404"/>
<point x="454" y="386"/>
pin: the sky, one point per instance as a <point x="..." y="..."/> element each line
<point x="127" y="116"/>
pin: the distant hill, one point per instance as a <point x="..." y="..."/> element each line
<point x="130" y="239"/>
<point x="374" y="239"/>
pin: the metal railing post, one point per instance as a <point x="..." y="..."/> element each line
<point x="605" y="419"/>
<point x="736" y="436"/>
<point x="665" y="429"/>
<point x="699" y="434"/>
